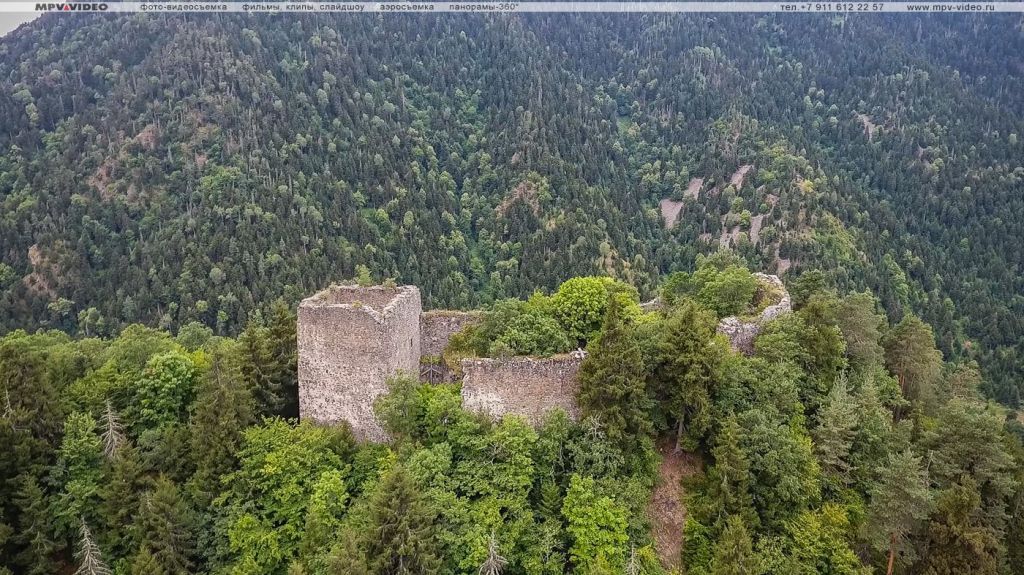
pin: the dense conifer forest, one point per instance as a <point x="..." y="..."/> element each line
<point x="170" y="187"/>
<point x="166" y="170"/>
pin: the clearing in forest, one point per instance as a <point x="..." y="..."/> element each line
<point x="667" y="510"/>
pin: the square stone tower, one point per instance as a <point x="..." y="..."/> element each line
<point x="351" y="339"/>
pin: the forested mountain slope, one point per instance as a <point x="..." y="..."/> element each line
<point x="171" y="169"/>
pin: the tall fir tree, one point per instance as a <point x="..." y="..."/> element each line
<point x="223" y="409"/>
<point x="686" y="360"/>
<point x="834" y="435"/>
<point x="900" y="502"/>
<point x="164" y="528"/>
<point x="401" y="538"/>
<point x="612" y="389"/>
<point x="728" y="480"/>
<point x="734" y="550"/>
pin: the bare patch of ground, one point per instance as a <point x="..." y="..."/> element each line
<point x="756" y="223"/>
<point x="526" y="192"/>
<point x="42" y="270"/>
<point x="737" y="178"/>
<point x="667" y="509"/>
<point x="147" y="138"/>
<point x="693" y="188"/>
<point x="670" y="211"/>
<point x="101" y="178"/>
<point x="729" y="237"/>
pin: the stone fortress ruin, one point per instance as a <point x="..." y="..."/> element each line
<point x="773" y="297"/>
<point x="351" y="339"/>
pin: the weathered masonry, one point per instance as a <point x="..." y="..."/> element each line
<point x="521" y="385"/>
<point x="742" y="333"/>
<point x="351" y="339"/>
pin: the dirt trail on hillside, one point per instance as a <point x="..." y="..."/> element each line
<point x="667" y="510"/>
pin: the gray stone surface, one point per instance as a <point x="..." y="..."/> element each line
<point x="438" y="326"/>
<point x="742" y="333"/>
<point x="350" y="340"/>
<point x="521" y="385"/>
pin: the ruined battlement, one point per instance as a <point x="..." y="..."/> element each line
<point x="524" y="386"/>
<point x="773" y="297"/>
<point x="438" y="326"/>
<point x="350" y="340"/>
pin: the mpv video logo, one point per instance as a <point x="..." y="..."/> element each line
<point x="71" y="7"/>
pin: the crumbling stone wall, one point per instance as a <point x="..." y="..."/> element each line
<point x="521" y="385"/>
<point x="438" y="326"/>
<point x="742" y="333"/>
<point x="350" y="340"/>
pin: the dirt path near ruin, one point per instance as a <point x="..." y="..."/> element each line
<point x="667" y="509"/>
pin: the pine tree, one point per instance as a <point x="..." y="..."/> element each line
<point x="113" y="436"/>
<point x="899" y="503"/>
<point x="686" y="360"/>
<point x="734" y="550"/>
<point x="164" y="529"/>
<point x="728" y="480"/>
<point x="910" y="354"/>
<point x="958" y="539"/>
<point x="401" y="538"/>
<point x="90" y="561"/>
<point x="612" y="389"/>
<point x="834" y="435"/>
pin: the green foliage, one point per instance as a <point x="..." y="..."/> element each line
<point x="900" y="502"/>
<point x="164" y="528"/>
<point x="911" y="356"/>
<point x="959" y="540"/>
<point x="806" y="469"/>
<point x="596" y="525"/>
<point x="580" y="305"/>
<point x="724" y="289"/>
<point x="165" y="390"/>
<point x="515" y="327"/>
<point x="401" y="535"/>
<point x="697" y="547"/>
<point x="268" y="496"/>
<point x="612" y="388"/>
<point x="734" y="551"/>
<point x="814" y="542"/>
<point x="725" y="491"/>
<point x="861" y="326"/>
<point x="223" y="410"/>
<point x="533" y="334"/>
<point x="786" y="477"/>
<point x="684" y="369"/>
